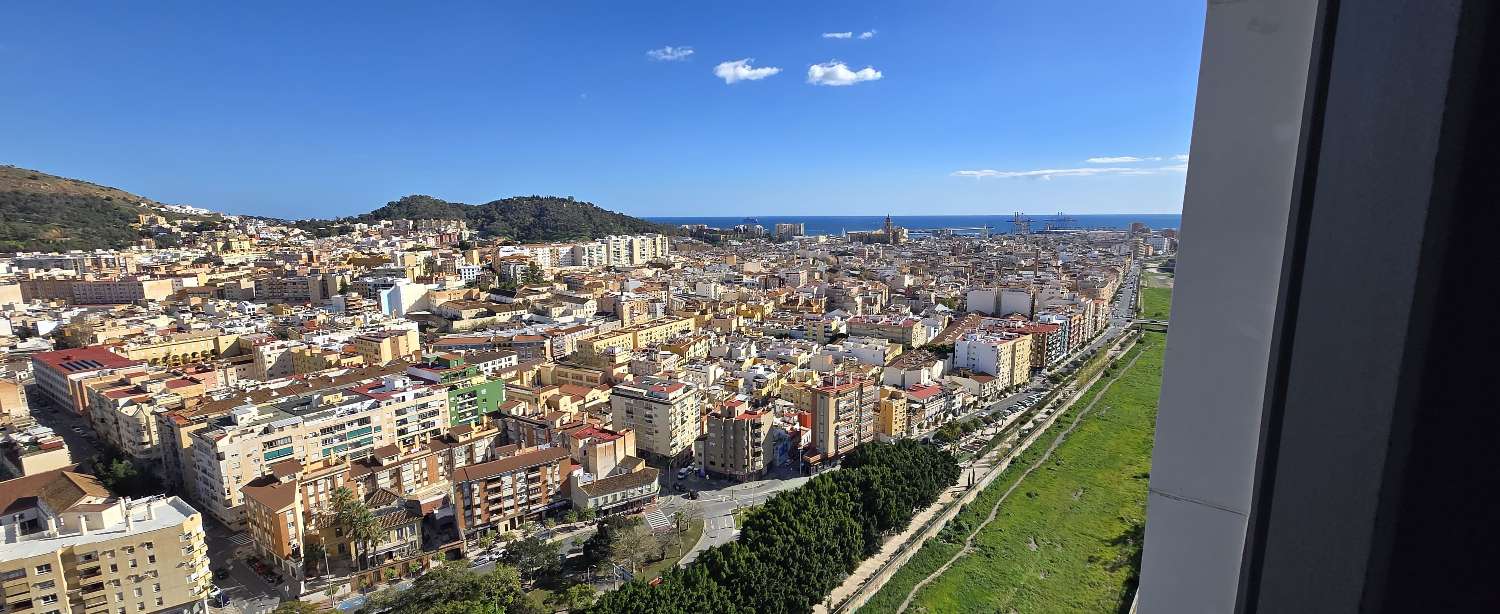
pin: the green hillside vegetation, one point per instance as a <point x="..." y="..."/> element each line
<point x="42" y="212"/>
<point x="519" y="218"/>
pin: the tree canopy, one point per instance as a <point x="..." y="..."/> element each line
<point x="798" y="546"/>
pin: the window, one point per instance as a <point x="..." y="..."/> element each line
<point x="42" y="586"/>
<point x="137" y="592"/>
<point x="12" y="575"/>
<point x="156" y="588"/>
<point x="44" y="568"/>
<point x="151" y="559"/>
<point x="49" y="599"/>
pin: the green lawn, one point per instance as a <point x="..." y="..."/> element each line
<point x="653" y="570"/>
<point x="1062" y="541"/>
<point x="1156" y="303"/>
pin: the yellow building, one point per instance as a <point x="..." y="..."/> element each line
<point x="893" y="419"/>
<point x="71" y="545"/>
<point x="181" y="348"/>
<point x="386" y="346"/>
<point x="312" y="359"/>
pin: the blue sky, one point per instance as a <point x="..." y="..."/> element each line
<point x="326" y="108"/>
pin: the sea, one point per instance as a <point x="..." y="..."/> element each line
<point x="962" y="224"/>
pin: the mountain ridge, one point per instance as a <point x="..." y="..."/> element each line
<point x="520" y="218"/>
<point x="44" y="212"/>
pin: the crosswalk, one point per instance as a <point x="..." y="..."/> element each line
<point x="240" y="539"/>
<point x="657" y="519"/>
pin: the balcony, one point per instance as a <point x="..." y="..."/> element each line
<point x="19" y="589"/>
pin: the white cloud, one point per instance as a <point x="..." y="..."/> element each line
<point x="838" y="35"/>
<point x="670" y="54"/>
<point x="1122" y="159"/>
<point x="1047" y="174"/>
<point x="741" y="70"/>
<point x="867" y="35"/>
<point x="837" y="73"/>
<point x="1180" y="157"/>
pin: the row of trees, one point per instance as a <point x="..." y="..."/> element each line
<point x="798" y="546"/>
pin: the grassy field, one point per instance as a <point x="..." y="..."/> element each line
<point x="653" y="570"/>
<point x="1063" y="541"/>
<point x="1156" y="303"/>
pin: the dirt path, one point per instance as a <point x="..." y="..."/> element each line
<point x="969" y="541"/>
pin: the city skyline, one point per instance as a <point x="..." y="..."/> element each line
<point x="854" y="109"/>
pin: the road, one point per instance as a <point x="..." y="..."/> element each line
<point x="719" y="506"/>
<point x="247" y="592"/>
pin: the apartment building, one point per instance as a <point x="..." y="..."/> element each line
<point x="664" y="413"/>
<point x="60" y="374"/>
<point x="590" y="255"/>
<point x="72" y="546"/>
<point x="1005" y="355"/>
<point x="126" y="405"/>
<point x="79" y="262"/>
<point x="905" y="330"/>
<point x="120" y="291"/>
<point x="893" y="422"/>
<point x="385" y="346"/>
<point x="844" y="410"/>
<point x="635" y="250"/>
<point x="636" y="337"/>
<point x="471" y="395"/>
<point x="736" y="442"/>
<point x="347" y="416"/>
<point x="505" y="493"/>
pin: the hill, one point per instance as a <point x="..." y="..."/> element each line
<point x="42" y="212"/>
<point x="520" y="218"/>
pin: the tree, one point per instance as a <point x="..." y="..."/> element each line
<point x="296" y="607"/>
<point x="364" y="531"/>
<point x="574" y="598"/>
<point x="534" y="557"/>
<point x="600" y="546"/>
<point x="632" y="547"/>
<point x="454" y="589"/>
<point x="359" y="525"/>
<point x="533" y="274"/>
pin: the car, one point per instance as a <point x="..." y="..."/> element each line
<point x="221" y="573"/>
<point x="682" y="473"/>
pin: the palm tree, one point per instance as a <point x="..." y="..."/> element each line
<point x="364" y="530"/>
